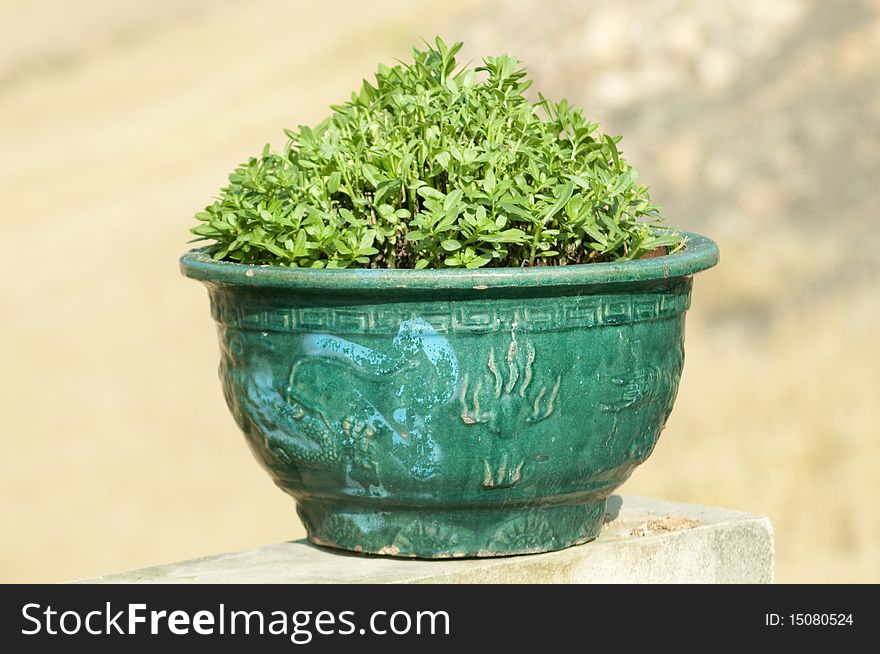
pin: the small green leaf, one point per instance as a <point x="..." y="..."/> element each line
<point x="563" y="193"/>
<point x="613" y="147"/>
<point x="489" y="182"/>
<point x="333" y="182"/>
<point x="452" y="200"/>
<point x="371" y="174"/>
<point x="430" y="193"/>
<point x="478" y="262"/>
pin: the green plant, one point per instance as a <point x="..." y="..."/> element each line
<point x="434" y="166"/>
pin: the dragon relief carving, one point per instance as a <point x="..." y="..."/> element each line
<point x="506" y="400"/>
<point x="346" y="407"/>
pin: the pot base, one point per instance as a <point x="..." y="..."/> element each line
<point x="440" y="533"/>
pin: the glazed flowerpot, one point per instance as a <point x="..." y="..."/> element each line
<point x="444" y="413"/>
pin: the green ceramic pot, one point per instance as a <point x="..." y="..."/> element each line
<point x="441" y="413"/>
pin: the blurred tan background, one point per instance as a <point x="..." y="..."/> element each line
<point x="755" y="122"/>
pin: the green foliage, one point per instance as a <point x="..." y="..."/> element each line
<point x="434" y="166"/>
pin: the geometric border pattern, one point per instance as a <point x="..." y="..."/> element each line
<point x="466" y="316"/>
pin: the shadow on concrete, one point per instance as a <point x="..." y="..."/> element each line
<point x="612" y="507"/>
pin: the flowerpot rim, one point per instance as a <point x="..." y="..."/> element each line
<point x="699" y="253"/>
